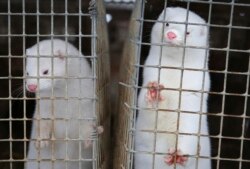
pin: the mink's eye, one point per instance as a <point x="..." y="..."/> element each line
<point x="187" y="33"/>
<point x="27" y="73"/>
<point x="167" y="24"/>
<point x="45" y="72"/>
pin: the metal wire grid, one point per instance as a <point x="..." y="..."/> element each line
<point x="130" y="75"/>
<point x="120" y="1"/>
<point x="13" y="145"/>
<point x="120" y="4"/>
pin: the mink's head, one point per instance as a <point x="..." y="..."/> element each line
<point x="45" y="65"/>
<point x="180" y="27"/>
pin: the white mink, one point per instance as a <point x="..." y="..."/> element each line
<point x="191" y="100"/>
<point x="61" y="78"/>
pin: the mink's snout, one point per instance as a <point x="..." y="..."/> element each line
<point x="32" y="88"/>
<point x="171" y="35"/>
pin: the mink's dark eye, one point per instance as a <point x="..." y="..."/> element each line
<point x="167" y="24"/>
<point x="45" y="72"/>
<point x="187" y="33"/>
<point x="27" y="73"/>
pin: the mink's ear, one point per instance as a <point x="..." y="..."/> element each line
<point x="27" y="51"/>
<point x="203" y="30"/>
<point x="60" y="54"/>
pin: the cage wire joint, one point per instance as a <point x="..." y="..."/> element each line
<point x="92" y="8"/>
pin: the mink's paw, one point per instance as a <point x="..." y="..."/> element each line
<point x="96" y="131"/>
<point x="154" y="92"/>
<point x="175" y="157"/>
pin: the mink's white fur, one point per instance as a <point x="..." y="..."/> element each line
<point x="64" y="107"/>
<point x="157" y="131"/>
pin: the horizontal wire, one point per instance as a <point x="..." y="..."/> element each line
<point x="44" y="14"/>
<point x="188" y="90"/>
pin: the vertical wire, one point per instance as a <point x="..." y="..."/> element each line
<point x="94" y="69"/>
<point x="80" y="96"/>
<point x="197" y="155"/>
<point x="209" y="23"/>
<point x="244" y="118"/>
<point x="53" y="117"/>
<point x="225" y="83"/>
<point x="38" y="96"/>
<point x="9" y="82"/>
<point x="181" y="78"/>
<point x="81" y="159"/>
<point x="67" y="138"/>
<point x="136" y="75"/>
<point x="205" y="73"/>
<point x="25" y="140"/>
<point x="80" y="51"/>
<point x="158" y="81"/>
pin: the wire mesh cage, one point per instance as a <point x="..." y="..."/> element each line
<point x="145" y="138"/>
<point x="54" y="101"/>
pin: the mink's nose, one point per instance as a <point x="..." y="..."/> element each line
<point x="32" y="88"/>
<point x="171" y="35"/>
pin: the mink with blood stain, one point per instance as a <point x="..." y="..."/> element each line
<point x="177" y="112"/>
